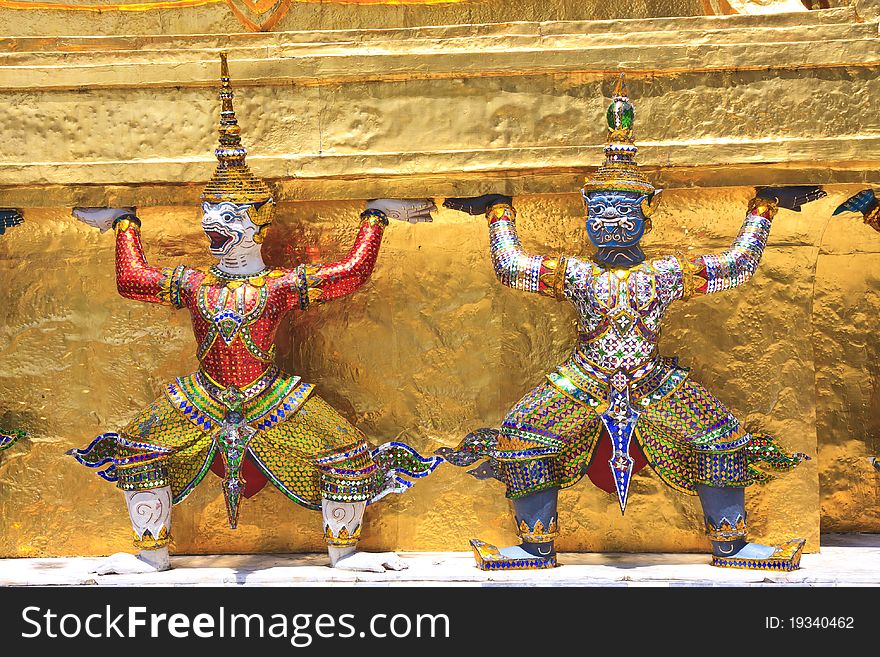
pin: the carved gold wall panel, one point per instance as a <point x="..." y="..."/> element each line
<point x="131" y="119"/>
<point x="111" y="17"/>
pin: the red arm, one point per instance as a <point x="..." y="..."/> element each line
<point x="137" y="280"/>
<point x="321" y="283"/>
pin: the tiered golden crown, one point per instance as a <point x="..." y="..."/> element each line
<point x="233" y="181"/>
<point x="620" y="171"/>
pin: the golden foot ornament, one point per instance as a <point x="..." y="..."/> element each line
<point x="489" y="557"/>
<point x="785" y="558"/>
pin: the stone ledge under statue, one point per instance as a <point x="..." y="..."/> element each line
<point x="845" y="559"/>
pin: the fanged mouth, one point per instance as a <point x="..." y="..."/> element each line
<point x="219" y="241"/>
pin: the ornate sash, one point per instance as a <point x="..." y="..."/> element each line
<point x="619" y="399"/>
<point x="233" y="417"/>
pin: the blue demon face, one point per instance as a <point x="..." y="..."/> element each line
<point x="615" y="219"/>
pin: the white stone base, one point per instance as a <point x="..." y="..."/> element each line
<point x="850" y="559"/>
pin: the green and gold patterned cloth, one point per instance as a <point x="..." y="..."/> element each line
<point x="293" y="437"/>
<point x="8" y="438"/>
<point x="549" y="439"/>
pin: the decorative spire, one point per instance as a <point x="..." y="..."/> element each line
<point x="230" y="134"/>
<point x="620" y="171"/>
<point x="233" y="181"/>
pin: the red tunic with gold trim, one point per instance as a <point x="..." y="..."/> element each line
<point x="239" y="415"/>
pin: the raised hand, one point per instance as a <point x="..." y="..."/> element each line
<point x="413" y="210"/>
<point x="862" y="202"/>
<point x="476" y="204"/>
<point x="101" y="218"/>
<point x="9" y="217"/>
<point x="791" y="197"/>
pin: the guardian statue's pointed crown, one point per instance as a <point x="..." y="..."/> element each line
<point x="620" y="171"/>
<point x="233" y="181"/>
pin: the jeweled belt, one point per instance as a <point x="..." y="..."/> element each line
<point x="248" y="392"/>
<point x="658" y="376"/>
<point x="588" y="337"/>
<point x="636" y="375"/>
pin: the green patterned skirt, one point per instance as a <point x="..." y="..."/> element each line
<point x="551" y="439"/>
<point x="285" y="433"/>
<point x="8" y="438"/>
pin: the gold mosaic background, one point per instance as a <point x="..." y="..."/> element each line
<point x="433" y="347"/>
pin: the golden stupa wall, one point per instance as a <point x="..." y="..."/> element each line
<point x="117" y="17"/>
<point x="434" y="346"/>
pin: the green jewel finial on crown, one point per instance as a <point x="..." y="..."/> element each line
<point x="620" y="172"/>
<point x="621" y="113"/>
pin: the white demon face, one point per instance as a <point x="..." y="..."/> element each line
<point x="228" y="226"/>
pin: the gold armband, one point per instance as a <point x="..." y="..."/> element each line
<point x="308" y="285"/>
<point x="553" y="277"/>
<point x="124" y="222"/>
<point x="374" y="217"/>
<point x="689" y="271"/>
<point x="767" y="208"/>
<point x="500" y="211"/>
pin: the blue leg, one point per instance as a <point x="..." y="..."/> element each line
<point x="536" y="525"/>
<point x="724" y="510"/>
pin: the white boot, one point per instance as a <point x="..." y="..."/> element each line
<point x="342" y="530"/>
<point x="150" y="513"/>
